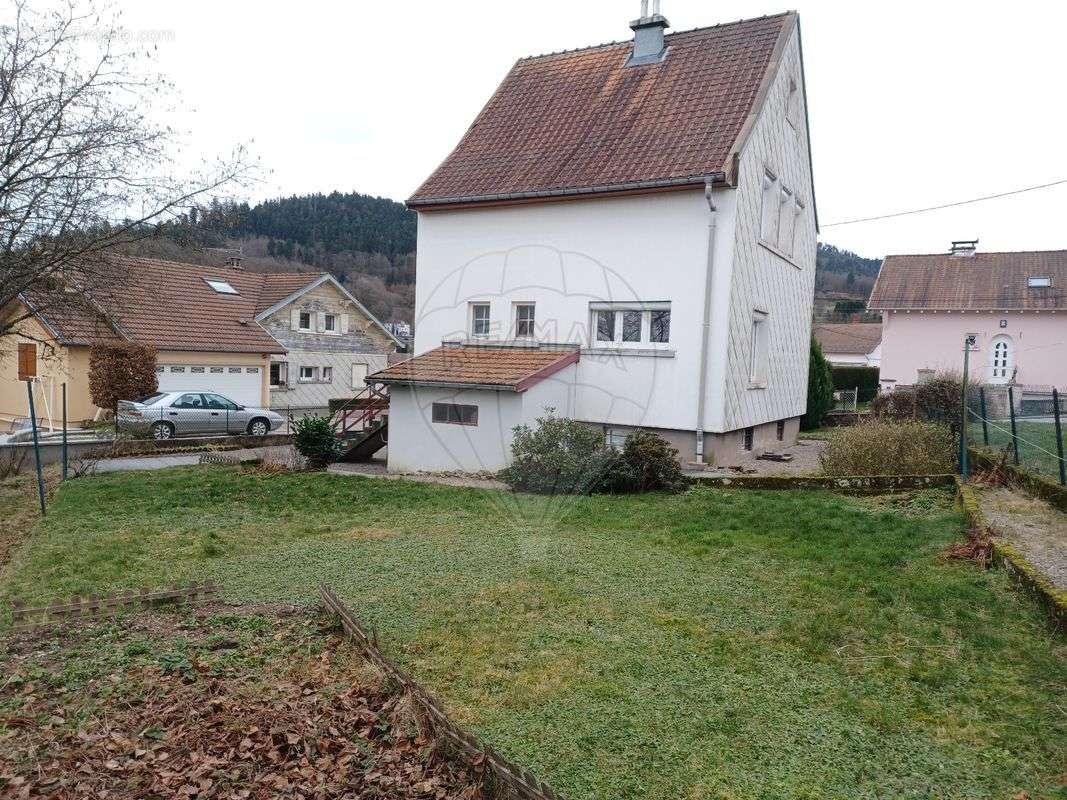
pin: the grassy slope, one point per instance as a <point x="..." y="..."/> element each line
<point x="715" y="644"/>
<point x="1037" y="446"/>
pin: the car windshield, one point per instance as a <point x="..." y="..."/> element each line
<point x="148" y="400"/>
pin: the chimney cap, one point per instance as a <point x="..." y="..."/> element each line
<point x="964" y="247"/>
<point x="649" y="46"/>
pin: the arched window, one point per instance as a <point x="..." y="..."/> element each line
<point x="1001" y="361"/>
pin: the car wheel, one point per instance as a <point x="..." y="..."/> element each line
<point x="162" y="430"/>
<point x="259" y="427"/>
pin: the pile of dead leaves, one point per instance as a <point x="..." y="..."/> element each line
<point x="211" y="721"/>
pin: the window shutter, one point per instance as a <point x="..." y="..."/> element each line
<point x="322" y="321"/>
<point x="344" y="323"/>
<point x="294" y="318"/>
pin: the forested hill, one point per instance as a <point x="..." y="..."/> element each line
<point x="834" y="259"/>
<point x="333" y="223"/>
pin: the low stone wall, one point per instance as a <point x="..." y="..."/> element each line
<point x="1030" y="482"/>
<point x="859" y="484"/>
<point x="1013" y="562"/>
<point x="52" y="452"/>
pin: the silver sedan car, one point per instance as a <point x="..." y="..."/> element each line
<point x="168" y="414"/>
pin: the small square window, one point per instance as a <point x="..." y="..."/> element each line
<point x="307" y="374"/>
<point x="615" y="438"/>
<point x="196" y="370"/>
<point x="234" y="370"/>
<point x="479" y="319"/>
<point x="305" y="320"/>
<point x="177" y="369"/>
<point x="217" y="370"/>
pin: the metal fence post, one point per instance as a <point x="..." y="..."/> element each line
<point x="64" y="430"/>
<point x="1059" y="436"/>
<point x="1014" y="431"/>
<point x="36" y="445"/>
<point x="985" y="416"/>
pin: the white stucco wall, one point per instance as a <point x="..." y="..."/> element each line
<point x="418" y="444"/>
<point x="934" y="341"/>
<point x="562" y="256"/>
<point x="764" y="278"/>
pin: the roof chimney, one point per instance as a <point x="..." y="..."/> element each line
<point x="234" y="261"/>
<point x="964" y="248"/>
<point x="649" y="47"/>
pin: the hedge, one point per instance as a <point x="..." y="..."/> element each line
<point x="863" y="378"/>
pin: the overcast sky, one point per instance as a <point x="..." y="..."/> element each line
<point x="911" y="104"/>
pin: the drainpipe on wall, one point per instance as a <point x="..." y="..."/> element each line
<point x="705" y="329"/>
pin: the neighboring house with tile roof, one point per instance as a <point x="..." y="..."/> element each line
<point x="1014" y="305"/>
<point x="850" y="344"/>
<point x="215" y="328"/>
<point x="645" y="205"/>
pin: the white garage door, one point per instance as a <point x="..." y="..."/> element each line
<point x="240" y="384"/>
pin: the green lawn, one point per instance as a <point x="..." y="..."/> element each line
<point x="716" y="644"/>
<point x="1037" y="443"/>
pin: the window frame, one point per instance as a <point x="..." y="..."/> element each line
<point x="314" y="374"/>
<point x="283" y="375"/>
<point x="517" y="322"/>
<point x="759" y="347"/>
<point x="617" y="314"/>
<point x="1039" y="282"/>
<point x="444" y="413"/>
<point x="221" y="286"/>
<point x="326" y="374"/>
<point x="300" y="326"/>
<point x="329" y="323"/>
<point x="473" y="319"/>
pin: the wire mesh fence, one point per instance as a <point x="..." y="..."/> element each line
<point x="846" y="399"/>
<point x="1024" y="423"/>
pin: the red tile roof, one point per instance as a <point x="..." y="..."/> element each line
<point x="848" y="338"/>
<point x="506" y="368"/>
<point x="171" y="306"/>
<point x="583" y="120"/>
<point x="982" y="282"/>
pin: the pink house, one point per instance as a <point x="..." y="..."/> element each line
<point x="1013" y="304"/>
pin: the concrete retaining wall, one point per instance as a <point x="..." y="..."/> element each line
<point x="52" y="452"/>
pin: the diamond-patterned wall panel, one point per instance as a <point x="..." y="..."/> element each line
<point x="763" y="279"/>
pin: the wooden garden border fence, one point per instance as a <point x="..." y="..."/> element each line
<point x="506" y="779"/>
<point x="23" y="617"/>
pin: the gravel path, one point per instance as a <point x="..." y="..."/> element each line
<point x="805" y="461"/>
<point x="1035" y="528"/>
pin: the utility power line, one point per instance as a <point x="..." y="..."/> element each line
<point x="945" y="205"/>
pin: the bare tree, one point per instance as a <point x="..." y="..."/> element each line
<point x="85" y="165"/>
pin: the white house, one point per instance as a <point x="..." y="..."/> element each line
<point x="850" y="344"/>
<point x="625" y="234"/>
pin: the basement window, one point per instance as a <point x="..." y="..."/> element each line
<point x="748" y="438"/>
<point x="1039" y="282"/>
<point x="220" y="286"/>
<point x="455" y="414"/>
<point x="779" y="432"/>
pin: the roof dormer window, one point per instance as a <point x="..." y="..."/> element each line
<point x="1039" y="281"/>
<point x="220" y="286"/>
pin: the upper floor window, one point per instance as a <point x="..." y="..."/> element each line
<point x="479" y="319"/>
<point x="630" y="324"/>
<point x="524" y="320"/>
<point x="305" y="320"/>
<point x="792" y="105"/>
<point x="329" y="323"/>
<point x="1039" y="281"/>
<point x="769" y="215"/>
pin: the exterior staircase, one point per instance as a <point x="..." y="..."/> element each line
<point x="363" y="423"/>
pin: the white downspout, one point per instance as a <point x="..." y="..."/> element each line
<point x="705" y="329"/>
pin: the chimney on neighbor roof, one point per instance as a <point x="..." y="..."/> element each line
<point x="649" y="46"/>
<point x="234" y="261"/>
<point x="966" y="248"/>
